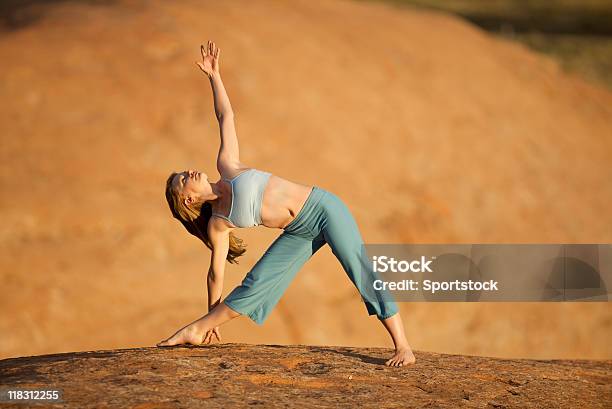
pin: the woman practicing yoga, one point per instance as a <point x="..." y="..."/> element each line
<point x="246" y="197"/>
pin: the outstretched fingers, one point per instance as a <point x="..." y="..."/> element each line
<point x="210" y="335"/>
<point x="211" y="49"/>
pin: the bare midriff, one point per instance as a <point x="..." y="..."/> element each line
<point x="282" y="201"/>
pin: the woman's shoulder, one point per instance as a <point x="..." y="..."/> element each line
<point x="230" y="173"/>
<point x="217" y="224"/>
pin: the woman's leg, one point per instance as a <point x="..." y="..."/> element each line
<point x="267" y="281"/>
<point x="260" y="290"/>
<point x="343" y="235"/>
<point x="403" y="352"/>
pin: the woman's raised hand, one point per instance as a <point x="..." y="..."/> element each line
<point x="210" y="59"/>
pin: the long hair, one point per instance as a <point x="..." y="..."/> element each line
<point x="195" y="219"/>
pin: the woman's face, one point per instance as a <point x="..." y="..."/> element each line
<point x="192" y="185"/>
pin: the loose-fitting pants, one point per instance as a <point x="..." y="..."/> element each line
<point x="324" y="218"/>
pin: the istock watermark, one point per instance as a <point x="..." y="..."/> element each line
<point x="486" y="272"/>
<point x="383" y="264"/>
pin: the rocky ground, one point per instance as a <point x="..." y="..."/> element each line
<point x="242" y="375"/>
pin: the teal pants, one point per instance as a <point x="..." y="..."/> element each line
<point x="324" y="218"/>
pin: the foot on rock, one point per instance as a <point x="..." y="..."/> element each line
<point x="187" y="335"/>
<point x="403" y="356"/>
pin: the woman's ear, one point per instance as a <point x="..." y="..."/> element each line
<point x="188" y="200"/>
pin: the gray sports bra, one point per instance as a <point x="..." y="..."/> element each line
<point x="247" y="195"/>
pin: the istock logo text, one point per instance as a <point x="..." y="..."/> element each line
<point x="382" y="264"/>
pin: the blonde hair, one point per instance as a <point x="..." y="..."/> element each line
<point x="195" y="219"/>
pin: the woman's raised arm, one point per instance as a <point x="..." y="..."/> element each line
<point x="229" y="156"/>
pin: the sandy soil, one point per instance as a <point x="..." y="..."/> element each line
<point x="428" y="128"/>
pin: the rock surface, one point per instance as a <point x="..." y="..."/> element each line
<point x="243" y="375"/>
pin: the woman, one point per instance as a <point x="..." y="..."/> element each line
<point x="247" y="197"/>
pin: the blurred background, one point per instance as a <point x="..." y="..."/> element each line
<point x="577" y="33"/>
<point x="436" y="122"/>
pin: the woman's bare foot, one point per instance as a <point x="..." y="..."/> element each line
<point x="187" y="335"/>
<point x="403" y="352"/>
<point x="195" y="332"/>
<point x="403" y="356"/>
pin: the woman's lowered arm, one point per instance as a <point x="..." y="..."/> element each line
<point x="219" y="239"/>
